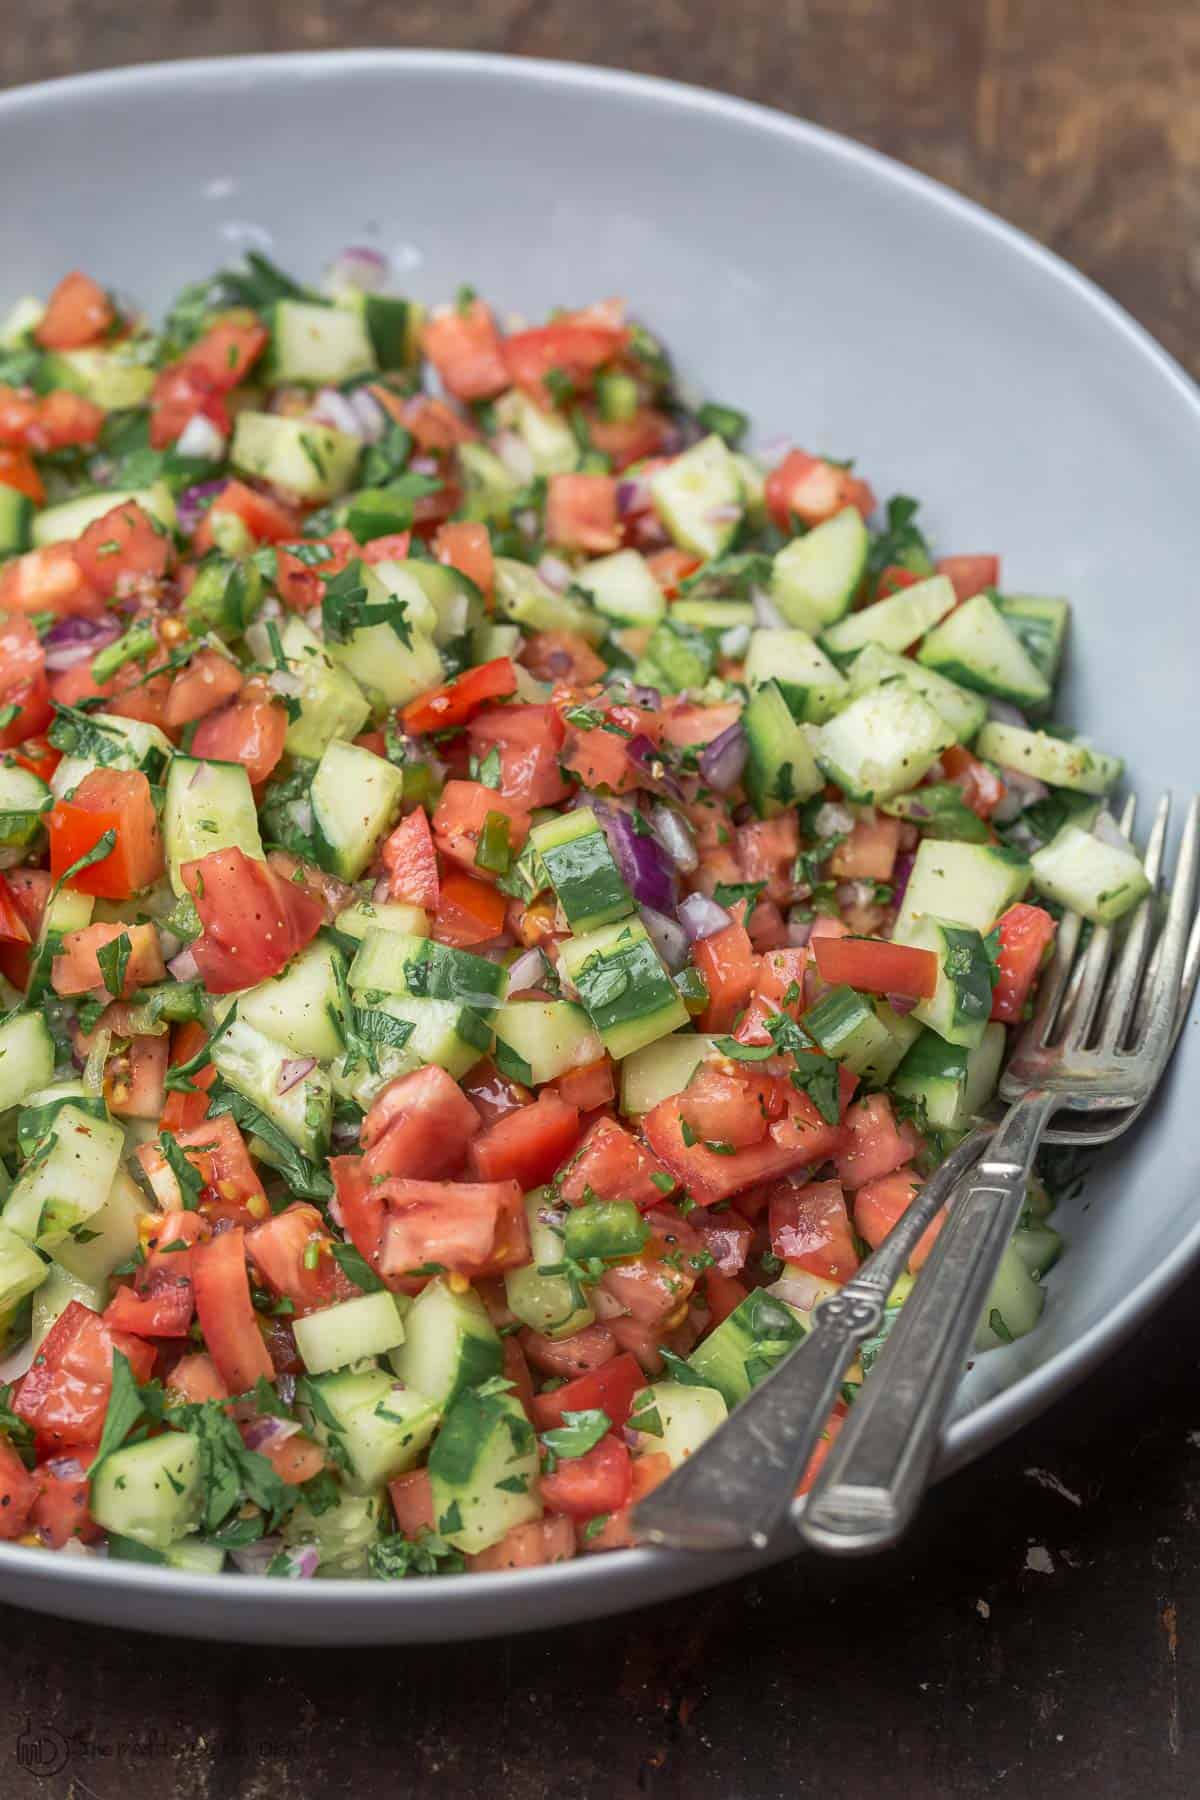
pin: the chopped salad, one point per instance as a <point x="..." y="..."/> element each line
<point x="505" y="894"/>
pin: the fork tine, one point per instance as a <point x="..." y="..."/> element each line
<point x="1163" y="995"/>
<point x="1123" y="989"/>
<point x="1055" y="981"/>
<point x="1087" y="984"/>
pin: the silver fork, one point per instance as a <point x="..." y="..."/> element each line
<point x="736" y="1490"/>
<point x="1088" y="1046"/>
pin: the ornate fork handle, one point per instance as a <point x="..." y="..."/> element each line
<point x="740" y="1485"/>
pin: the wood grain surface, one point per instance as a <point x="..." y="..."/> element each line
<point x="1038" y="1636"/>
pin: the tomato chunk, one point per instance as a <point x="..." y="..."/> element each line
<point x="528" y="1145"/>
<point x="471" y="1228"/>
<point x="122" y="546"/>
<point x="729" y="967"/>
<point x="293" y="1254"/>
<point x="47" y="580"/>
<point x="76" y="970"/>
<point x="813" y="490"/>
<point x="18" y="1492"/>
<point x="227" y="1317"/>
<point x="599" y="1481"/>
<point x="254" y="922"/>
<point x="420" y="1127"/>
<point x="459" y="700"/>
<point x="464" y="347"/>
<point x="609" y="1389"/>
<point x="64" y="1396"/>
<point x="208" y="682"/>
<point x="970" y="575"/>
<point x="469" y="912"/>
<point x="460" y="816"/>
<point x="411" y="862"/>
<point x="251" y="732"/>
<point x="876" y="966"/>
<point x="581" y="513"/>
<point x="1026" y="934"/>
<point x="612" y="1163"/>
<point x="874" y="1144"/>
<point x="811" y="1226"/>
<point x="881" y="1203"/>
<point x="465" y="545"/>
<point x="116" y="801"/>
<point x="77" y="313"/>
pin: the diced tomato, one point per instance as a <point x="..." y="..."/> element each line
<point x="720" y="1106"/>
<point x="76" y="969"/>
<point x="581" y="513"/>
<point x="135" y="1078"/>
<point x="361" y="1206"/>
<point x="471" y="1228"/>
<point x="18" y="1492"/>
<point x="460" y="814"/>
<point x="195" y="1379"/>
<point x="652" y="1291"/>
<point x="881" y="1203"/>
<point x="811" y="1226"/>
<point x="18" y="416"/>
<point x="411" y="861"/>
<point x="459" y="700"/>
<point x="562" y="656"/>
<point x="217" y="1150"/>
<point x="599" y="1481"/>
<point x="107" y="800"/>
<point x="228" y="351"/>
<point x="874" y="1144"/>
<point x="626" y="441"/>
<point x="671" y="567"/>
<point x="528" y="740"/>
<point x="469" y="912"/>
<point x="802" y="1138"/>
<point x="527" y="1145"/>
<point x="267" y="520"/>
<point x="464" y="347"/>
<point x="528" y="1546"/>
<point x="77" y="313"/>
<point x="293" y="1254"/>
<point x="516" y="1370"/>
<point x="869" y="853"/>
<point x="252" y="732"/>
<point x="589" y="1086"/>
<point x="982" y="788"/>
<point x="893" y="579"/>
<point x="584" y="1350"/>
<point x="1026" y="934"/>
<point x="23" y="681"/>
<point x="294" y="1459"/>
<point x="64" y="1396"/>
<point x="729" y="966"/>
<point x="18" y="470"/>
<point x="13" y="929"/>
<point x="208" y="682"/>
<point x="60" y="1512"/>
<point x="393" y="546"/>
<point x="724" y="1294"/>
<point x="576" y="348"/>
<point x="254" y="922"/>
<point x="38" y="755"/>
<point x="969" y="575"/>
<point x="182" y="393"/>
<point x="609" y="1389"/>
<point x="419" y="1126"/>
<point x="464" y="545"/>
<point x="159" y="1302"/>
<point x="123" y="545"/>
<point x="876" y="966"/>
<point x="227" y="1317"/>
<point x="183" y="1109"/>
<point x="825" y="1442"/>
<point x="301" y="585"/>
<point x="47" y="580"/>
<point x="412" y="1502"/>
<point x="434" y="423"/>
<point x="813" y="490"/>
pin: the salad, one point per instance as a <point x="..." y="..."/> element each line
<point x="505" y="896"/>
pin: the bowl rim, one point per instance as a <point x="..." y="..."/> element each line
<point x="1031" y="1393"/>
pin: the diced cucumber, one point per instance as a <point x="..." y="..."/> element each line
<point x="1098" y="880"/>
<point x="1014" y="1305"/>
<point x="332" y="705"/>
<point x="491" y="641"/>
<point x="67" y="1181"/>
<point x="1041" y="623"/>
<point x="848" y="1027"/>
<point x="152" y="1492"/>
<point x="680" y="1417"/>
<point x="208" y="806"/>
<point x="194" y="1556"/>
<point x="1038" y="1246"/>
<point x="969" y="884"/>
<point x="875" y="667"/>
<point x="538" y="1040"/>
<point x="349" y="1332"/>
<point x="66" y="911"/>
<point x="22" y="1270"/>
<point x="698" y="497"/>
<point x="125" y="744"/>
<point x="816" y="576"/>
<point x="226" y="594"/>
<point x="455" y="605"/>
<point x="318" y="346"/>
<point x="625" y="989"/>
<point x="747" y="1345"/>
<point x="677" y="657"/>
<point x="114" y="380"/>
<point x="111" y="1235"/>
<point x="19" y="321"/>
<point x="961" y="1003"/>
<point x="16" y="522"/>
<point x="882" y="744"/>
<point x="484" y="1469"/>
<point x="1051" y="759"/>
<point x="393" y="325"/>
<point x="582" y="870"/>
<point x="26" y="1058"/>
<point x="391" y="962"/>
<point x="546" y="1303"/>
<point x="449" y="1345"/>
<point x="489" y="486"/>
<point x="433" y="1031"/>
<point x="362" y="916"/>
<point x="342" y="1533"/>
<point x="715" y="617"/>
<point x="939" y="808"/>
<point x="380" y="1426"/>
<point x="808" y="681"/>
<point x="71" y="518"/>
<point x="546" y="435"/>
<point x="660" y="1070"/>
<point x="254" y="1065"/>
<point x="386" y="668"/>
<point x="355" y="798"/>
<point x="57" y="1291"/>
<point x="903" y="1032"/>
<point x="24" y="797"/>
<point x="312" y="461"/>
<point x="523" y="597"/>
<point x="298" y="1008"/>
<point x="894" y="623"/>
<point x="780" y="766"/>
<point x="976" y="647"/>
<point x="622" y="588"/>
<point x="951" y="1082"/>
<point x="40" y="1109"/>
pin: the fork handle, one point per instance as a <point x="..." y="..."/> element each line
<point x="871" y="1483"/>
<point x="739" y="1485"/>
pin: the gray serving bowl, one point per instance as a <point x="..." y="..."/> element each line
<point x="843" y="301"/>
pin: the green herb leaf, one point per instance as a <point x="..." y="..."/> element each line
<point x="578" y="1433"/>
<point x="113" y="959"/>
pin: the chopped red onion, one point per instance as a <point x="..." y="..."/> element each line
<point x="254" y="1559"/>
<point x="372" y="420"/>
<point x="902" y="870"/>
<point x="63" y="1468"/>
<point x="555" y="573"/>
<point x="527" y="523"/>
<point x="1107" y="831"/>
<point x="633" y="496"/>
<point x="735" y="642"/>
<point x="516" y="456"/>
<point x="765" y="611"/>
<point x="722" y="760"/>
<point x="200" y="438"/>
<point x="192" y="504"/>
<point x="901" y="1003"/>
<point x="723" y="515"/>
<point x="359" y="266"/>
<point x="652" y="771"/>
<point x="798" y="932"/>
<point x="855" y="893"/>
<point x="528" y="971"/>
<point x="833" y="820"/>
<point x="285" y="1384"/>
<point x="283" y="681"/>
<point x="293" y="1070"/>
<point x="333" y="408"/>
<point x="1020" y="790"/>
<point x="648" y="698"/>
<point x="1003" y="712"/>
<point x="674" y="834"/>
<point x="643" y="862"/>
<point x="270" y="1430"/>
<point x="184" y="967"/>
<point x="798" y="1287"/>
<point x="424" y="465"/>
<point x="702" y="917"/>
<point x="668" y="937"/>
<point x="75" y="640"/>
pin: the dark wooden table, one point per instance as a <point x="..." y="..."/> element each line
<point x="1037" y="1634"/>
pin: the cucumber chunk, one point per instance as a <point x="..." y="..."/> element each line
<point x="546" y="435"/>
<point x="355" y="798"/>
<point x="582" y="870"/>
<point x="625" y="989"/>
<point x="320" y="346"/>
<point x="122" y="744"/>
<point x="747" y="1345"/>
<point x="882" y="744"/>
<point x="812" y="687"/>
<point x="71" y="518"/>
<point x="816" y="576"/>
<point x="24" y="797"/>
<point x="951" y="1082"/>
<point x="379" y="1426"/>
<point x="312" y="461"/>
<point x="113" y="380"/>
<point x="894" y="623"/>
<point x="622" y="588"/>
<point x="976" y="647"/>
<point x="484" y="1469"/>
<point x="698" y="497"/>
<point x="661" y="1069"/>
<point x="254" y="1065"/>
<point x="299" y="1008"/>
<point x="332" y="705"/>
<point x="26" y="1058"/>
<point x="969" y="884"/>
<point x="961" y="1004"/>
<point x="354" y="1329"/>
<point x="16" y="522"/>
<point x="362" y="916"/>
<point x="383" y="665"/>
<point x="112" y="1235"/>
<point x="22" y="1270"/>
<point x="546" y="1303"/>
<point x="780" y="766"/>
<point x="1050" y="759"/>
<point x="208" y="806"/>
<point x="538" y="1040"/>
<point x="152" y="1492"/>
<point x="875" y="667"/>
<point x="449" y="1345"/>
<point x="680" y="1418"/>
<point x="1041" y="622"/>
<point x="390" y="962"/>
<point x="852" y="1030"/>
<point x="1097" y="880"/>
<point x="523" y="598"/>
<point x="57" y="1291"/>
<point x="343" y="1533"/>
<point x="67" y="1181"/>
<point x="1014" y="1305"/>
